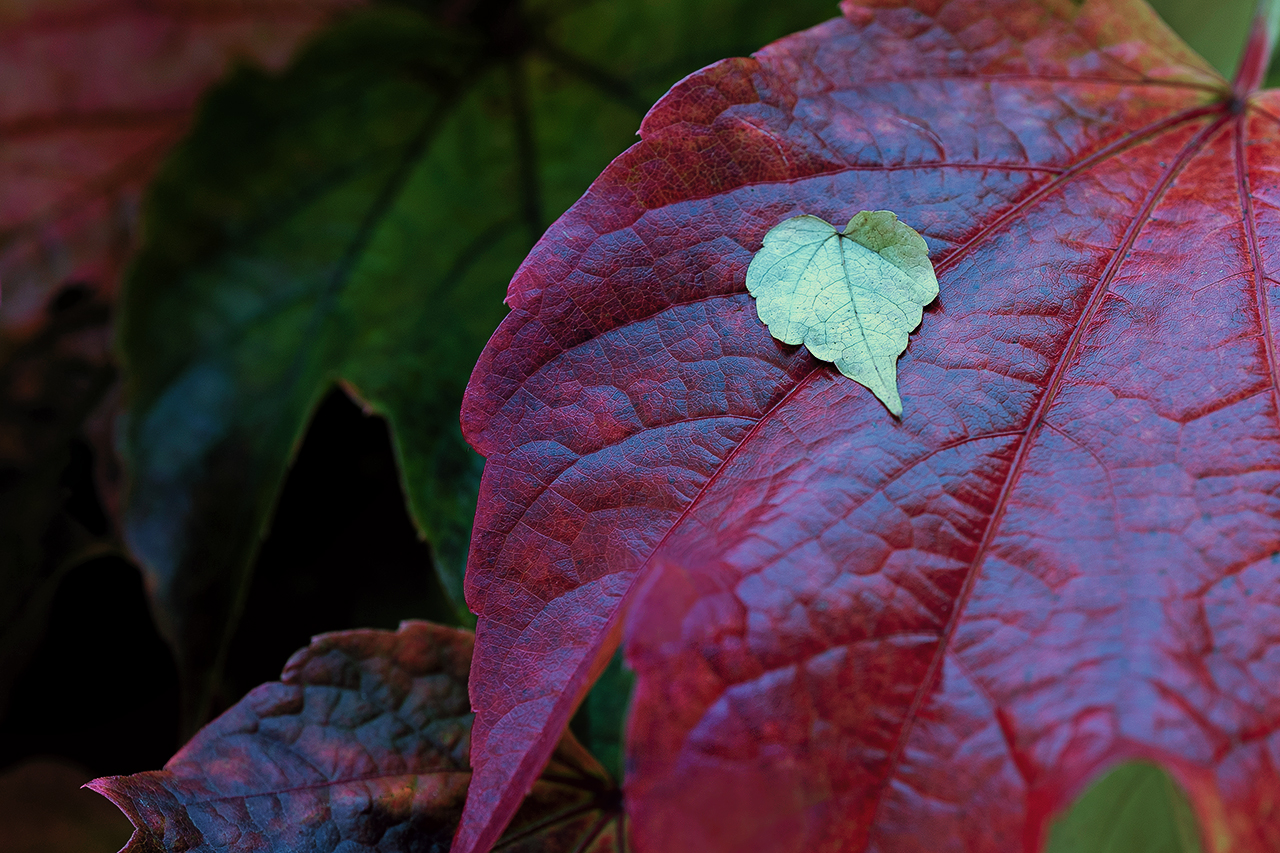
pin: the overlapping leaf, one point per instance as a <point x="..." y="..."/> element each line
<point x="354" y="220"/>
<point x="853" y="633"/>
<point x="92" y="93"/>
<point x="362" y="745"/>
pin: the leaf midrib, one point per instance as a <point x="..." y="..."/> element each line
<point x="1163" y="184"/>
<point x="1124" y="143"/>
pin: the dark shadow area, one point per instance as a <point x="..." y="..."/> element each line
<point x="102" y="688"/>
<point x="342" y="552"/>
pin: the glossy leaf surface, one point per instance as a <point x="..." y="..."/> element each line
<point x="857" y="633"/>
<point x="355" y="220"/>
<point x="361" y="746"/>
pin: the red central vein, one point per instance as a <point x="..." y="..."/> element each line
<point x="1100" y="156"/>
<point x="1033" y="426"/>
<point x="1255" y="257"/>
<point x="1052" y="79"/>
<point x="1097" y="158"/>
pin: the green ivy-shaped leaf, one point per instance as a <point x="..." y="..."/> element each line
<point x="850" y="296"/>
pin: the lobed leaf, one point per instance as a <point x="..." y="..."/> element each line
<point x="851" y="632"/>
<point x="361" y="746"/>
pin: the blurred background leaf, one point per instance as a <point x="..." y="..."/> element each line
<point x="92" y="95"/>
<point x="1216" y="30"/>
<point x="1134" y="808"/>
<point x="354" y="222"/>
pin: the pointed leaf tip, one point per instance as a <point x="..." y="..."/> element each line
<point x="851" y="297"/>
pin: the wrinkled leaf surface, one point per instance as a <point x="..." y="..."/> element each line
<point x="851" y="296"/>
<point x="857" y="633"/>
<point x="361" y="746"/>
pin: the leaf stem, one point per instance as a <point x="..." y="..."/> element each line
<point x="1257" y="50"/>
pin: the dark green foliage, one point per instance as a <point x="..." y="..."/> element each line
<point x="355" y="220"/>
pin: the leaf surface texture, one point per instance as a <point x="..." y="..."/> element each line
<point x="361" y="746"/>
<point x="852" y="632"/>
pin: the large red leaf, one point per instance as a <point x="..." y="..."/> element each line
<point x="853" y="632"/>
<point x="92" y="94"/>
<point x="361" y="746"/>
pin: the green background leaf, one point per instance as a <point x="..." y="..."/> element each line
<point x="355" y="221"/>
<point x="1215" y="30"/>
<point x="1135" y="808"/>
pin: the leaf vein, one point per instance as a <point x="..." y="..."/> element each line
<point x="1034" y="422"/>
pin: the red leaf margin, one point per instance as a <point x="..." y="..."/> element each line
<point x="817" y="599"/>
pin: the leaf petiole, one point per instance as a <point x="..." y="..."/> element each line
<point x="1252" y="69"/>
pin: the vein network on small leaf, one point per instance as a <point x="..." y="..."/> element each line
<point x="851" y="297"/>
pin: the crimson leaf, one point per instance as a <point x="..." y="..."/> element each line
<point x="859" y="634"/>
<point x="362" y="745"/>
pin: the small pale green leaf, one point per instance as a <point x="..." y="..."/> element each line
<point x="851" y="297"/>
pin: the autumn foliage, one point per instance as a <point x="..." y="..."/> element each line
<point x="850" y="630"/>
